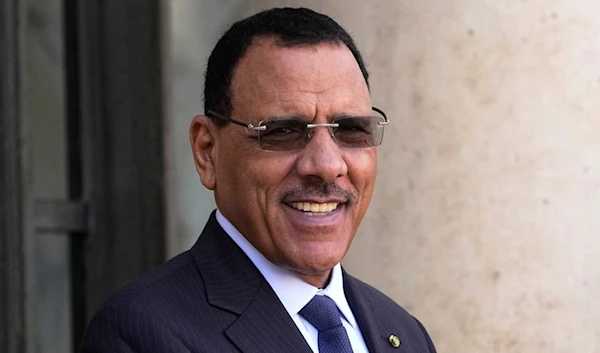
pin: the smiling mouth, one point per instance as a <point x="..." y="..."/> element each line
<point x="315" y="209"/>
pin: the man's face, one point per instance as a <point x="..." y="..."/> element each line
<point x="261" y="192"/>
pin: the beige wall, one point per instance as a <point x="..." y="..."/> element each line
<point x="486" y="219"/>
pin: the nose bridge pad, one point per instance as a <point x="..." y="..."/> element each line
<point x="311" y="131"/>
<point x="308" y="136"/>
<point x="330" y="128"/>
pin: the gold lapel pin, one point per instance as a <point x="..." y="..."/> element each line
<point x="394" y="341"/>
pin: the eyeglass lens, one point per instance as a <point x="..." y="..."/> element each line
<point x="293" y="134"/>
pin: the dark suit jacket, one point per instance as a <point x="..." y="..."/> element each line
<point x="213" y="299"/>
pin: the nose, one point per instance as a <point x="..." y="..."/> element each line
<point x="321" y="157"/>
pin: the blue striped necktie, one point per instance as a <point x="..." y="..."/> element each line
<point x="324" y="315"/>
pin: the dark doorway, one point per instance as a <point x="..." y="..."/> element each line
<point x="111" y="217"/>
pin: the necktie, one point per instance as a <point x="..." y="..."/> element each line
<point x="323" y="314"/>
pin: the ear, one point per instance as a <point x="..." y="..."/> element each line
<point x="203" y="138"/>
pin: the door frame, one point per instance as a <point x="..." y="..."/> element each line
<point x="115" y="215"/>
<point x="16" y="202"/>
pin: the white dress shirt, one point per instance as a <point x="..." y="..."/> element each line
<point x="294" y="293"/>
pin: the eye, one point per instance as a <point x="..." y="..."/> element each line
<point x="284" y="130"/>
<point x="351" y="128"/>
<point x="353" y="125"/>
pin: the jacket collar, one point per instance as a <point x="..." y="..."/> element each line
<point x="374" y="320"/>
<point x="234" y="284"/>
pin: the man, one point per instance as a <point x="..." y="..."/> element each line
<point x="288" y="145"/>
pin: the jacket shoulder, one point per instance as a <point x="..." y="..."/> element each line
<point x="137" y="316"/>
<point x="165" y="281"/>
<point x="395" y="316"/>
<point x="378" y="298"/>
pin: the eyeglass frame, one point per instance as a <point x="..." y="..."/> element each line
<point x="260" y="127"/>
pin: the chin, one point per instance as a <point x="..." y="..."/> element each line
<point x="318" y="265"/>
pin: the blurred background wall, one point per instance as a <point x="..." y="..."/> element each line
<point x="45" y="102"/>
<point x="486" y="219"/>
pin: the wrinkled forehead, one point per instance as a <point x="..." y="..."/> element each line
<point x="308" y="78"/>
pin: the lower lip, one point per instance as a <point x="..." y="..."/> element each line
<point x="302" y="219"/>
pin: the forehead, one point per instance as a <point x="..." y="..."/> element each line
<point x="310" y="80"/>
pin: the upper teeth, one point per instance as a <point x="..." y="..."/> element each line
<point x="315" y="207"/>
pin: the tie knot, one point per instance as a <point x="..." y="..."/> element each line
<point x="322" y="313"/>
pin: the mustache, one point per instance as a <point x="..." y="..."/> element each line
<point x="318" y="189"/>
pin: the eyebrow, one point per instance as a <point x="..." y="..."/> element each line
<point x="283" y="117"/>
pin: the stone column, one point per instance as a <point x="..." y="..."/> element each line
<point x="486" y="219"/>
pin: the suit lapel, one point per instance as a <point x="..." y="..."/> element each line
<point x="375" y="331"/>
<point x="265" y="326"/>
<point x="234" y="284"/>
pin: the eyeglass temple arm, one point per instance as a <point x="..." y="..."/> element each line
<point x="386" y="121"/>
<point x="210" y="113"/>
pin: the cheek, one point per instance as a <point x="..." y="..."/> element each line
<point x="362" y="170"/>
<point x="234" y="172"/>
<point x="265" y="174"/>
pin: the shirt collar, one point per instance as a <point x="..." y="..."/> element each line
<point x="293" y="292"/>
<point x="335" y="291"/>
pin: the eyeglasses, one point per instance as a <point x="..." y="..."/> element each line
<point x="294" y="134"/>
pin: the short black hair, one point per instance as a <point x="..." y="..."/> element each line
<point x="289" y="26"/>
